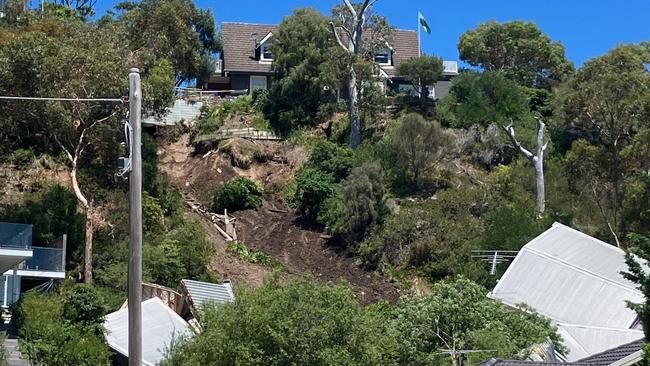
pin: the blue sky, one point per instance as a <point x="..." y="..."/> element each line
<point x="586" y="28"/>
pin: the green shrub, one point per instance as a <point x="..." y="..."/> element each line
<point x="213" y="118"/>
<point x="329" y="157"/>
<point x="244" y="253"/>
<point x="240" y="193"/>
<point x="261" y="99"/>
<point x="84" y="307"/>
<point x="358" y="204"/>
<point x="435" y="237"/>
<point x="313" y="188"/>
<point x="22" y="157"/>
<point x="54" y="340"/>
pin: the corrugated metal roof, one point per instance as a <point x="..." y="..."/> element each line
<point x="160" y="325"/>
<point x="574" y="280"/>
<point x="200" y="293"/>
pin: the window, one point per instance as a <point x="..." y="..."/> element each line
<point x="257" y="82"/>
<point x="383" y="58"/>
<point x="266" y="52"/>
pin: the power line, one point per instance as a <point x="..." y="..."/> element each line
<point x="108" y="100"/>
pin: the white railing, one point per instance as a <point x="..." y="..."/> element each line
<point x="450" y="67"/>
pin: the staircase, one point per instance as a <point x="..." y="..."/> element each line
<point x="14" y="357"/>
<point x="12" y="348"/>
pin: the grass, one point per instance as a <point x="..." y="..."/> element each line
<point x="244" y="253"/>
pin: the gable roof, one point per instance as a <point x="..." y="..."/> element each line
<point x="160" y="325"/>
<point x="624" y="355"/>
<point x="405" y="46"/>
<point x="575" y="280"/>
<point x="199" y="293"/>
<point x="500" y="362"/>
<point x="239" y="49"/>
<point x="611" y="356"/>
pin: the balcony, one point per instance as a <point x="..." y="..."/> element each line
<point x="15" y="244"/>
<point x="45" y="262"/>
<point x="450" y="68"/>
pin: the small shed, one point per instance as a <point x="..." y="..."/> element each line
<point x="199" y="293"/>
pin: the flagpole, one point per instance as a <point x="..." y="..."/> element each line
<point x="419" y="36"/>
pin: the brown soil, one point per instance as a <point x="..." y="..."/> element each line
<point x="38" y="174"/>
<point x="273" y="228"/>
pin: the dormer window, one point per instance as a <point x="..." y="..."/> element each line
<point x="266" y="52"/>
<point x="264" y="48"/>
<point x="384" y="57"/>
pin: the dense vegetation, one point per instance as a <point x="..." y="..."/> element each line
<point x="312" y="324"/>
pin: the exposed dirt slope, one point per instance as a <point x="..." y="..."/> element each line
<point x="273" y="228"/>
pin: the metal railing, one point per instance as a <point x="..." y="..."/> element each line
<point x="200" y="95"/>
<point x="247" y="132"/>
<point x="15" y="236"/>
<point x="44" y="259"/>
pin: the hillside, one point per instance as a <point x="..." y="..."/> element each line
<point x="274" y="228"/>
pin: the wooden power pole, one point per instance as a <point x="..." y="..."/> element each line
<point x="135" y="221"/>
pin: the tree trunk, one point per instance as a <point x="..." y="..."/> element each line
<point x="536" y="159"/>
<point x="539" y="177"/>
<point x="355" y="123"/>
<point x="424" y="94"/>
<point x="538" y="162"/>
<point x="89" y="227"/>
<point x="88" y="247"/>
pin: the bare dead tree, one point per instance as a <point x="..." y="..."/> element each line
<point x="84" y="7"/>
<point x="536" y="159"/>
<point x="353" y="46"/>
<point x="73" y="151"/>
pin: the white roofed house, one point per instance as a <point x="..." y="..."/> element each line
<point x="575" y="281"/>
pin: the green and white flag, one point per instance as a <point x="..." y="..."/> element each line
<point x="423" y="23"/>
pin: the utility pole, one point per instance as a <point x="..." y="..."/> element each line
<point x="135" y="221"/>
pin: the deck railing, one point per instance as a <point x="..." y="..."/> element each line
<point x="15" y="236"/>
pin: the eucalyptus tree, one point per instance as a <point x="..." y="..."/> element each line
<point x="74" y="60"/>
<point x="360" y="33"/>
<point x="490" y="97"/>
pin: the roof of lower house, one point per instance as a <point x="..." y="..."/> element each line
<point x="632" y="352"/>
<point x="500" y="362"/>
<point x="239" y="54"/>
<point x="575" y="280"/>
<point x="625" y="355"/>
<point x="199" y="293"/>
<point x="160" y="326"/>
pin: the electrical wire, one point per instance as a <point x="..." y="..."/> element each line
<point x="108" y="100"/>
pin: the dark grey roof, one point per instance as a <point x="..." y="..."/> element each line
<point x="405" y="46"/>
<point x="604" y="358"/>
<point x="239" y="48"/>
<point x="199" y="293"/>
<point x="612" y="355"/>
<point x="500" y="362"/>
